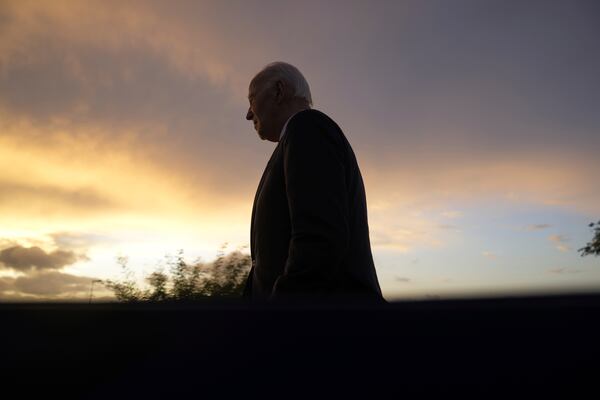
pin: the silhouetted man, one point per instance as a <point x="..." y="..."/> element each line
<point x="309" y="236"/>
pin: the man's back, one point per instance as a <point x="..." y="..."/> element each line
<point x="309" y="233"/>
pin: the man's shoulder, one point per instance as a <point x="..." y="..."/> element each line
<point x="311" y="122"/>
<point x="310" y="130"/>
<point x="310" y="115"/>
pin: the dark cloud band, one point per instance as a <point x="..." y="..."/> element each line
<point x="26" y="258"/>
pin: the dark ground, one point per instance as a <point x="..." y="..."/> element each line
<point x="536" y="346"/>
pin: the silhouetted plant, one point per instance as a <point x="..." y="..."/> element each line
<point x="125" y="290"/>
<point x="158" y="280"/>
<point x="227" y="274"/>
<point x="185" y="279"/>
<point x="224" y="277"/>
<point x="592" y="247"/>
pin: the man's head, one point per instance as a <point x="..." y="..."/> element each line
<point x="277" y="92"/>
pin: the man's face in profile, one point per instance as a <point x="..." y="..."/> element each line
<point x="260" y="111"/>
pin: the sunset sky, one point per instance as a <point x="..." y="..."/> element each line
<point x="476" y="125"/>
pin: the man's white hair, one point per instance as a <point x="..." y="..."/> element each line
<point x="288" y="74"/>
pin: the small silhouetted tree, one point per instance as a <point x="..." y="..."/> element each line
<point x="592" y="247"/>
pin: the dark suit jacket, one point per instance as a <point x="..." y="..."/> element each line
<point x="309" y="236"/>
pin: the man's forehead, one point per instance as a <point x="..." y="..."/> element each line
<point x="252" y="88"/>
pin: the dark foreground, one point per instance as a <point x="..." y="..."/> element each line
<point x="504" y="347"/>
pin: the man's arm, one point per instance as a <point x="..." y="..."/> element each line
<point x="318" y="206"/>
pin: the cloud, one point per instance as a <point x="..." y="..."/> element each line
<point x="489" y="254"/>
<point x="72" y="172"/>
<point x="172" y="80"/>
<point x="78" y="240"/>
<point x="402" y="279"/>
<point x="37" y="275"/>
<point x="401" y="239"/>
<point x="449" y="227"/>
<point x="189" y="48"/>
<point x="45" y="197"/>
<point x="554" y="179"/>
<point x="403" y="227"/>
<point x="4" y="243"/>
<point x="561" y="271"/>
<point x="537" y="227"/>
<point x="452" y="214"/>
<point x="27" y="258"/>
<point x="52" y="283"/>
<point x="6" y="284"/>
<point x="560" y="242"/>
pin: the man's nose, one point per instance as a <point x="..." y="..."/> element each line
<point x="249" y="115"/>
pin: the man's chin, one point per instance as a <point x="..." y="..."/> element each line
<point x="263" y="136"/>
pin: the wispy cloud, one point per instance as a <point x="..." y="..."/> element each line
<point x="560" y="242"/>
<point x="152" y="28"/>
<point x="402" y="239"/>
<point x="79" y="240"/>
<point x="537" y="227"/>
<point x="561" y="271"/>
<point x="402" y="279"/>
<point x="490" y="255"/>
<point x="47" y="196"/>
<point x="452" y="214"/>
<point x="449" y="227"/>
